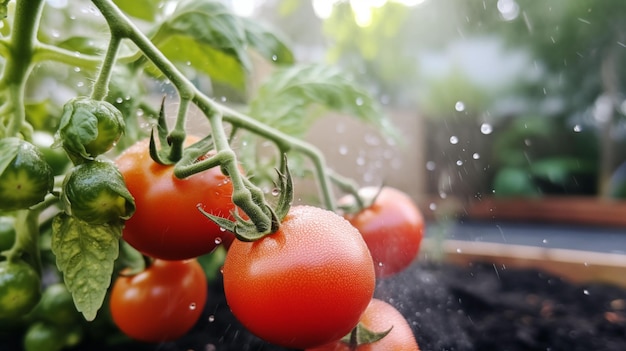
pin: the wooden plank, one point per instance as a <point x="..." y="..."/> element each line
<point x="573" y="265"/>
<point x="565" y="209"/>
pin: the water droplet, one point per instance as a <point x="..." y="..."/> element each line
<point x="476" y="156"/>
<point x="211" y="319"/>
<point x="545" y="241"/>
<point x="218" y="240"/>
<point x="432" y="206"/>
<point x="360" y="160"/>
<point x="223" y="99"/>
<point x="486" y="128"/>
<point x="119" y="100"/>
<point x="274" y="58"/>
<point x="459" y="163"/>
<point x="454" y="140"/>
<point x="192" y="306"/>
<point x="222" y="229"/>
<point x="458" y="250"/>
<point x="586" y="292"/>
<point x="459" y="106"/>
<point x="578" y="128"/>
<point x="77" y="69"/>
<point x="343" y="150"/>
<point x="80" y="84"/>
<point x="275" y="192"/>
<point x="359" y="101"/>
<point x="380" y="264"/>
<point x="431" y="165"/>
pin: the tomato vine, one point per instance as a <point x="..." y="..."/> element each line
<point x="87" y="206"/>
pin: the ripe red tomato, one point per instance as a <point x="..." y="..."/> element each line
<point x="167" y="223"/>
<point x="379" y="317"/>
<point x="161" y="303"/>
<point x="392" y="227"/>
<point x="303" y="286"/>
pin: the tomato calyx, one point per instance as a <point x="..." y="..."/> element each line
<point x="360" y="335"/>
<point x="171" y="144"/>
<point x="254" y="228"/>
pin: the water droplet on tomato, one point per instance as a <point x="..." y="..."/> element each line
<point x="218" y="240"/>
<point x="192" y="306"/>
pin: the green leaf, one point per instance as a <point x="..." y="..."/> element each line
<point x="142" y="9"/>
<point x="267" y="42"/>
<point x="85" y="254"/>
<point x="220" y="66"/>
<point x="84" y="45"/>
<point x="210" y="23"/>
<point x="285" y="99"/>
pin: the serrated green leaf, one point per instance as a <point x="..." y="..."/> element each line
<point x="221" y="67"/>
<point x="142" y="9"/>
<point x="210" y="23"/>
<point x="283" y="101"/>
<point x="267" y="42"/>
<point x="85" y="254"/>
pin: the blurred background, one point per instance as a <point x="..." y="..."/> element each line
<point x="494" y="98"/>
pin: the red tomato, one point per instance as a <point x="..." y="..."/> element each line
<point x="303" y="286"/>
<point x="392" y="227"/>
<point x="167" y="223"/>
<point x="161" y="303"/>
<point x="379" y="317"/>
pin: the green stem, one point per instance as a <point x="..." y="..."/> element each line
<point x="19" y="59"/>
<point x="46" y="52"/>
<point x="101" y="87"/>
<point x="26" y="246"/>
<point x="217" y="113"/>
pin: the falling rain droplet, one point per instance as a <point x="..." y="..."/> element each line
<point x="343" y="150"/>
<point x="454" y="140"/>
<point x="431" y="165"/>
<point x="586" y="292"/>
<point x="486" y="128"/>
<point x="459" y="163"/>
<point x="432" y="206"/>
<point x="476" y="156"/>
<point x="578" y="128"/>
<point x="459" y="106"/>
<point x="211" y="319"/>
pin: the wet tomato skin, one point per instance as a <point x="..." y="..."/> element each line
<point x="305" y="285"/>
<point x="392" y="227"/>
<point x="167" y="223"/>
<point x="161" y="303"/>
<point x="379" y="317"/>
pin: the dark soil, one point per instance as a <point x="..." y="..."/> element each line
<point x="479" y="307"/>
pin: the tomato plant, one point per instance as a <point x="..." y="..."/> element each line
<point x="379" y="317"/>
<point x="391" y="225"/>
<point x="304" y="285"/>
<point x="160" y="303"/>
<point x="90" y="173"/>
<point x="167" y="224"/>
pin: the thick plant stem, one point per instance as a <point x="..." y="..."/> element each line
<point x="26" y="246"/>
<point x="101" y="87"/>
<point x="19" y="61"/>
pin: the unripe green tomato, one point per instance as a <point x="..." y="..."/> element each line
<point x="27" y="177"/>
<point x="89" y="128"/>
<point x="95" y="192"/>
<point x="57" y="306"/>
<point x="20" y="289"/>
<point x="44" y="336"/>
<point x="7" y="233"/>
